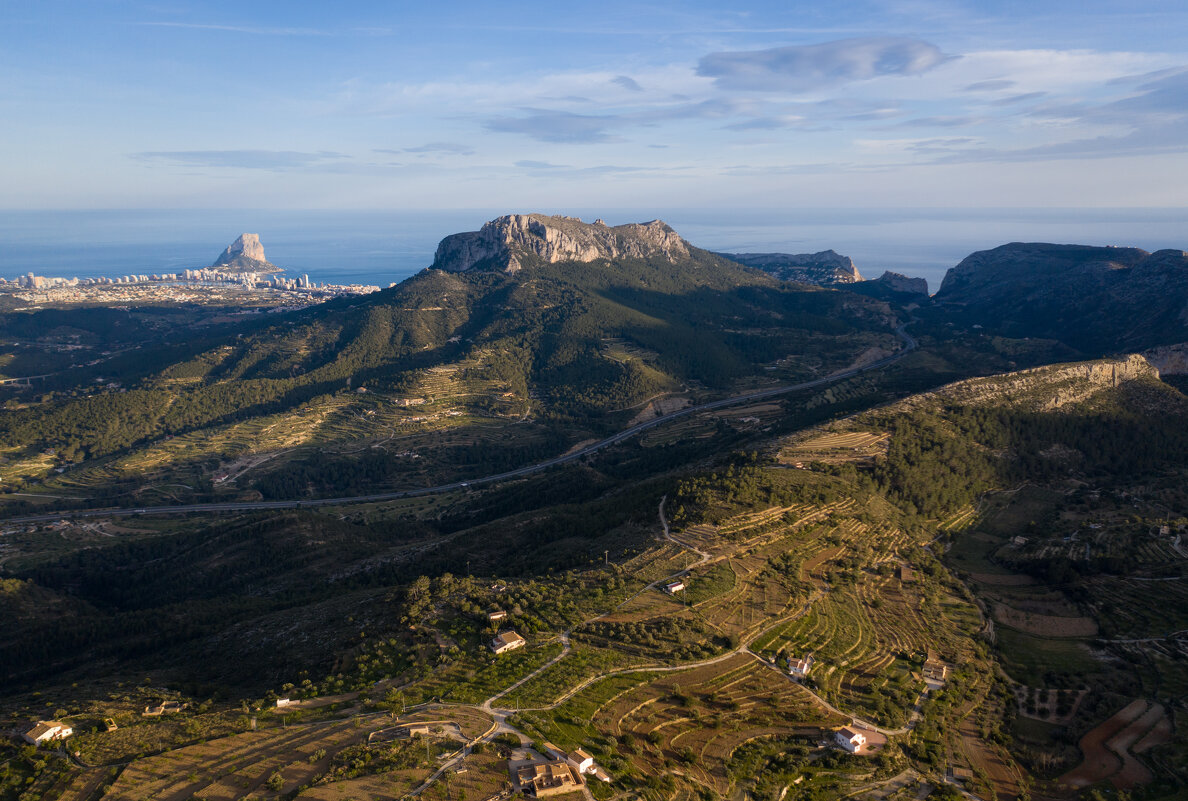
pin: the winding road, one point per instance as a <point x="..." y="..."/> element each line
<point x="571" y="456"/>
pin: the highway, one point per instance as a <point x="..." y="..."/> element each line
<point x="527" y="470"/>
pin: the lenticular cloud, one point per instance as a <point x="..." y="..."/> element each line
<point x="805" y="67"/>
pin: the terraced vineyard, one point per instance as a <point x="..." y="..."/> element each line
<point x="694" y="719"/>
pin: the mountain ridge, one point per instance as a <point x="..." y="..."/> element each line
<point x="506" y="243"/>
<point x="1097" y="299"/>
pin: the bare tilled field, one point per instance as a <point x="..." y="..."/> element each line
<point x="1045" y="625"/>
<point x="1109" y="748"/>
<point x="834" y="448"/>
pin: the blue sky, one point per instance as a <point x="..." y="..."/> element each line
<point x="400" y="105"/>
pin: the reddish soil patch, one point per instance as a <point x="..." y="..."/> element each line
<point x="1159" y="734"/>
<point x="982" y="756"/>
<point x="1100" y="763"/>
<point x="1133" y="773"/>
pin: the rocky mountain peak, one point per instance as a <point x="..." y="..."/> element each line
<point x="897" y="282"/>
<point x="502" y="244"/>
<point x="245" y="253"/>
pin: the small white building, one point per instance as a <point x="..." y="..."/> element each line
<point x="849" y="739"/>
<point x="800" y="667"/>
<point x="281" y="703"/>
<point x="581" y="761"/>
<point x="673" y="587"/>
<point x="496" y="616"/>
<point x="507" y="641"/>
<point x="45" y="731"/>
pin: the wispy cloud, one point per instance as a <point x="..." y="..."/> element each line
<point x="556" y="126"/>
<point x="990" y="86"/>
<point x="805" y="67"/>
<point x="452" y="148"/>
<point x="1021" y="98"/>
<point x="627" y="83"/>
<point x="243" y="159"/>
<point x="598" y="169"/>
<point x="765" y="123"/>
<point x="250" y="29"/>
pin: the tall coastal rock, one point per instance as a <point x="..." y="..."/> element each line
<point x="826" y="268"/>
<point x="506" y="243"/>
<point x="245" y="254"/>
<point x="1096" y="299"/>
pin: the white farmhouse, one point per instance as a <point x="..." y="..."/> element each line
<point x="581" y="761"/>
<point x="507" y="641"/>
<point x="849" y="739"/>
<point x="46" y="730"/>
<point x="800" y="667"/>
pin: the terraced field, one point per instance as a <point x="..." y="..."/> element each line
<point x="836" y="447"/>
<point x="662" y="689"/>
<point x="693" y="719"/>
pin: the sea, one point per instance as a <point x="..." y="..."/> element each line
<point x="385" y="247"/>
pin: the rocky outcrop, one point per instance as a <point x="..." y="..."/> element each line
<point x="826" y="268"/>
<point x="505" y="244"/>
<point x="1096" y="299"/>
<point x="1170" y="359"/>
<point x="897" y="282"/>
<point x="1042" y="389"/>
<point x="245" y="254"/>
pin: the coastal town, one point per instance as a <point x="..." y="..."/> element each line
<point x="241" y="275"/>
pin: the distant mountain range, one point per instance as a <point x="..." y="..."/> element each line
<point x="1096" y="300"/>
<point x="584" y="322"/>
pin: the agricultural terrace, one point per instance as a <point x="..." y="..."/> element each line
<point x="318" y="760"/>
<point x="663" y="689"/>
<point x="781" y="580"/>
<point x="647" y="727"/>
<point x="835" y="447"/>
<point x="1072" y="542"/>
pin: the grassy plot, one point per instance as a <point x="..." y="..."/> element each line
<point x="472" y="681"/>
<point x="1030" y="659"/>
<point x="560" y="679"/>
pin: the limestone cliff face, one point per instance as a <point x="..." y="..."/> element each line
<point x="247" y="245"/>
<point x="502" y="244"/>
<point x="1043" y="389"/>
<point x="826" y="268"/>
<point x="245" y="254"/>
<point x="1170" y="359"/>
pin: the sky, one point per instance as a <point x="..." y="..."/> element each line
<point x="526" y="106"/>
